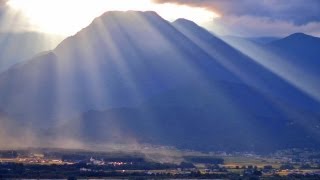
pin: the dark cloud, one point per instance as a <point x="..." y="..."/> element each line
<point x="299" y="12"/>
<point x="3" y="2"/>
<point x="251" y="26"/>
<point x="3" y="7"/>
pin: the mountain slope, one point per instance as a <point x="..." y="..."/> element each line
<point x="119" y="60"/>
<point x="133" y="74"/>
<point x="248" y="70"/>
<point x="17" y="47"/>
<point x="301" y="49"/>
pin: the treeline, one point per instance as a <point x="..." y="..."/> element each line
<point x="204" y="159"/>
<point x="15" y="170"/>
<point x="8" y="154"/>
<point x="12" y="170"/>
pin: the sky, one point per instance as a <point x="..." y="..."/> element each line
<point x="250" y="18"/>
<point x="262" y="17"/>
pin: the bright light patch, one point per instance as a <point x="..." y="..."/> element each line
<point x="69" y="16"/>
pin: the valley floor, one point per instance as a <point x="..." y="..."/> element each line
<point x="62" y="164"/>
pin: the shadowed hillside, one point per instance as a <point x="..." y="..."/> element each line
<point x="133" y="74"/>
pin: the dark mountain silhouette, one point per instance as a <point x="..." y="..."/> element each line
<point x="258" y="40"/>
<point x="245" y="68"/>
<point x="301" y="49"/>
<point x="133" y="74"/>
<point x="194" y="119"/>
<point x="298" y="40"/>
<point x="263" y="40"/>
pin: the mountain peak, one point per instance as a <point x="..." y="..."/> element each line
<point x="297" y="39"/>
<point x="299" y="35"/>
<point x="128" y="13"/>
<point x="184" y="21"/>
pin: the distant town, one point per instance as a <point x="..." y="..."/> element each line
<point x="79" y="164"/>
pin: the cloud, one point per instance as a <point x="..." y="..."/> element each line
<point x="3" y="2"/>
<point x="255" y="17"/>
<point x="12" y="20"/>
<point x="297" y="11"/>
<point x="238" y="17"/>
<point x="250" y="26"/>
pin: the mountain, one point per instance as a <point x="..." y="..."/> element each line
<point x="263" y="40"/>
<point x="17" y="47"/>
<point x="249" y="70"/>
<point x="134" y="77"/>
<point x="258" y="40"/>
<point x="193" y="118"/>
<point x="119" y="60"/>
<point x="303" y="50"/>
<point x="297" y="41"/>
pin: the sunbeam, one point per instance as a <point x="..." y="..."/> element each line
<point x="282" y="67"/>
<point x="68" y="17"/>
<point x="149" y="79"/>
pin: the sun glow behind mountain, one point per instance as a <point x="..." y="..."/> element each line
<point x="68" y="17"/>
<point x="138" y="60"/>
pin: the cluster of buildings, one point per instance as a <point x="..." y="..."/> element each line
<point x="97" y="162"/>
